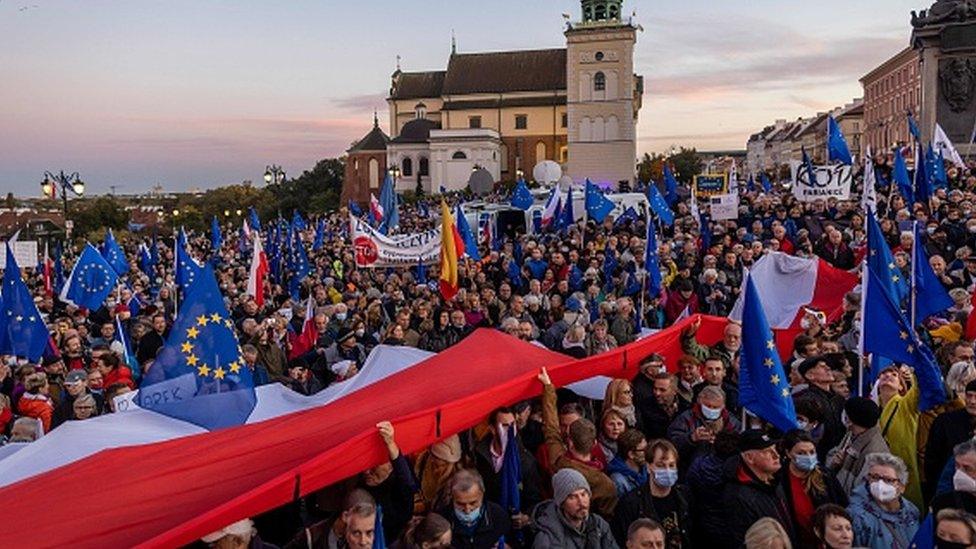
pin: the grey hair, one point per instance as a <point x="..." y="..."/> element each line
<point x="466" y="479"/>
<point x="884" y="459"/>
<point x="84" y="399"/>
<point x="34" y="424"/>
<point x="711" y="391"/>
<point x="964" y="447"/>
<point x="510" y="323"/>
<point x="959" y="375"/>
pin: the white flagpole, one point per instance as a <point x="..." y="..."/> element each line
<point x="861" y="356"/>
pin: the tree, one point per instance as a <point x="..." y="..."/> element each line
<point x="315" y="191"/>
<point x="686" y="164"/>
<point x="92" y="214"/>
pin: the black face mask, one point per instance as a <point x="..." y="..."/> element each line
<point x="943" y="544"/>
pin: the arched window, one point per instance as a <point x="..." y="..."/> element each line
<point x="374" y="173"/>
<point x="540" y="151"/>
<point x="424" y="166"/>
<point x="504" y="159"/>
<point x="459" y="155"/>
<point x="420" y="110"/>
<point x="613" y="12"/>
<point x="599" y="81"/>
<point x="600" y="13"/>
<point x="407" y="168"/>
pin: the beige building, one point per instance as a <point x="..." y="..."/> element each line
<point x="505" y="112"/>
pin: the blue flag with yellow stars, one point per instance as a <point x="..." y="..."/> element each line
<point x="114" y="254"/>
<point x="887" y="333"/>
<point x="598" y="206"/>
<point x="521" y="196"/>
<point x="199" y="375"/>
<point x="882" y="263"/>
<point x="91" y="280"/>
<point x="22" y="330"/>
<point x="764" y="388"/>
<point x="187" y="269"/>
<point x="658" y="205"/>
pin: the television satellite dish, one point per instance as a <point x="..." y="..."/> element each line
<point x="547" y="172"/>
<point x="481" y="182"/>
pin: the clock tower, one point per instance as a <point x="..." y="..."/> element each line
<point x="603" y="95"/>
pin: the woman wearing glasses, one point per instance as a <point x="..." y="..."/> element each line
<point x="883" y="518"/>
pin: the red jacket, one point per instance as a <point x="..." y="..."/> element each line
<point x="122" y="374"/>
<point x="37" y="406"/>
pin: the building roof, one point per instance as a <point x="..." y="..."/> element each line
<point x="416" y="131"/>
<point x="417" y="85"/>
<point x="507" y="71"/>
<point x="375" y="140"/>
<point x="544" y="101"/>
<point x="815" y="124"/>
<point x="894" y="61"/>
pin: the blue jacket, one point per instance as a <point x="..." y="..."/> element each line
<point x="623" y="477"/>
<point x="879" y="529"/>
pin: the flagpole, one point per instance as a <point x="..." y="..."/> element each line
<point x="914" y="271"/>
<point x="861" y="356"/>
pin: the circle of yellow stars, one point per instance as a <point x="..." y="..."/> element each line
<point x="203" y="369"/>
<point x="98" y="285"/>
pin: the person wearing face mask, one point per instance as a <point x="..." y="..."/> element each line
<point x="883" y="518"/>
<point x="489" y="454"/>
<point x="818" y="376"/>
<point x="659" y="498"/>
<point x="847" y="459"/>
<point x="948" y="430"/>
<point x="962" y="494"/>
<point x="476" y="523"/>
<point x="955" y="529"/>
<point x="807" y="485"/>
<point x="960" y="374"/>
<point x="693" y="431"/>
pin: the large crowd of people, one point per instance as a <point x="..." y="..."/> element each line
<point x="666" y="459"/>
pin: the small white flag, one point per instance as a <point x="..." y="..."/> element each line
<point x="941" y="143"/>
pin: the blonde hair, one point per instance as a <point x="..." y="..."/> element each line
<point x="614" y="390"/>
<point x="35" y="381"/>
<point x="762" y="533"/>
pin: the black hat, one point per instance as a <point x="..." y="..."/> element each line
<point x="754" y="439"/>
<point x="862" y="412"/>
<point x="809" y="363"/>
<point x="971" y="386"/>
<point x="344" y="334"/>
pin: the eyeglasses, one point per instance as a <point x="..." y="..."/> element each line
<point x="874" y="477"/>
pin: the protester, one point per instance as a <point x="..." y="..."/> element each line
<point x="848" y="459"/>
<point x="475" y="522"/>
<point x="883" y="518"/>
<point x="566" y="521"/>
<point x="807" y="485"/>
<point x="658" y="497"/>
<point x="833" y="527"/>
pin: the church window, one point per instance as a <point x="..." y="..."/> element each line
<point x="459" y="155"/>
<point x="565" y="120"/>
<point x="424" y="166"/>
<point x="420" y="110"/>
<point x="599" y="56"/>
<point x="407" y="166"/>
<point x="599" y="82"/>
<point x="540" y="151"/>
<point x="613" y="12"/>
<point x="600" y="13"/>
<point x="474" y="121"/>
<point x="521" y="121"/>
<point x="374" y="173"/>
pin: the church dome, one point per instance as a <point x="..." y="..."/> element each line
<point x="417" y="131"/>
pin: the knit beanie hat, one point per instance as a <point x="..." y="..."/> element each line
<point x="862" y="412"/>
<point x="565" y="482"/>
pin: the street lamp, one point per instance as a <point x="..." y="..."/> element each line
<point x="52" y="182"/>
<point x="274" y="174"/>
<point x="226" y="213"/>
<point x="519" y="174"/>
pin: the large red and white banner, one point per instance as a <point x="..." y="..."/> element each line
<point x="375" y="249"/>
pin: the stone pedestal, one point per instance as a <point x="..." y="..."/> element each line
<point x="945" y="38"/>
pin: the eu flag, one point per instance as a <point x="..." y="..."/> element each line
<point x="767" y="185"/>
<point x="199" y="375"/>
<point x="145" y="260"/>
<point x="609" y="266"/>
<point x="297" y="263"/>
<point x="216" y="237"/>
<point x="567" y="217"/>
<point x="521" y="197"/>
<point x="913" y="127"/>
<point x="319" y="236"/>
<point x="882" y="263"/>
<point x="658" y="205"/>
<point x="22" y="330"/>
<point x="923" y="184"/>
<point x="255" y="220"/>
<point x="298" y="221"/>
<point x="90" y="281"/>
<point x="391" y="209"/>
<point x="114" y="254"/>
<point x="900" y="175"/>
<point x="651" y="261"/>
<point x="836" y="144"/>
<point x="930" y="295"/>
<point x="354" y="209"/>
<point x="187" y="268"/>
<point x="511" y="475"/>
<point x="808" y="167"/>
<point x="764" y="388"/>
<point x="670" y="187"/>
<point x="464" y="229"/>
<point x="598" y="206"/>
<point x="629" y="215"/>
<point x="887" y="333"/>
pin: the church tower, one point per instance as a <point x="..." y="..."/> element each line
<point x="603" y="94"/>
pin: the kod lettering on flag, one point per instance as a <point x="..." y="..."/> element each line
<point x="831" y="182"/>
<point x="374" y="249"/>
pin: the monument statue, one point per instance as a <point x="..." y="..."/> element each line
<point x="957" y="77"/>
<point x="945" y="11"/>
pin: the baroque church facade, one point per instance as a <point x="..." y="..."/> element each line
<point x="504" y="112"/>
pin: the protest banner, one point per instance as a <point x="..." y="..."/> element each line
<point x="25" y="253"/>
<point x="711" y="184"/>
<point x="374" y="249"/>
<point x="724" y="206"/>
<point x="831" y="181"/>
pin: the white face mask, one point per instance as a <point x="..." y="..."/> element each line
<point x="963" y="482"/>
<point x="711" y="414"/>
<point x="882" y="491"/>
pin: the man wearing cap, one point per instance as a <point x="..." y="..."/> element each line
<point x="345" y="348"/>
<point x="75" y="385"/>
<point x="818" y="376"/>
<point x="863" y="437"/>
<point x="752" y="490"/>
<point x="948" y="430"/>
<point x="565" y="521"/>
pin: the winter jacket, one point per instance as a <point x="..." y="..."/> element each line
<point x="625" y="478"/>
<point x="704" y="478"/>
<point x="680" y="430"/>
<point x="852" y="452"/>
<point x="640" y="504"/>
<point x="747" y="499"/>
<point x="37" y="406"/>
<point x="833" y="406"/>
<point x="604" y="493"/>
<point x="531" y="485"/>
<point x="492" y="524"/>
<point x="879" y="529"/>
<point x="899" y="427"/>
<point x="949" y="429"/>
<point x="554" y="532"/>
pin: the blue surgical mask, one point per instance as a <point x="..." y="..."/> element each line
<point x="665" y="478"/>
<point x="340" y="316"/>
<point x="467" y="518"/>
<point x="805" y="462"/>
<point x="711" y="414"/>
